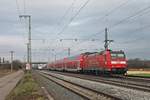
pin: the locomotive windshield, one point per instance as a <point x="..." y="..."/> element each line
<point x="117" y="55"/>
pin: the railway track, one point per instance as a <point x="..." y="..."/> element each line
<point x="83" y="91"/>
<point x="133" y="78"/>
<point x="139" y="78"/>
<point x="126" y="82"/>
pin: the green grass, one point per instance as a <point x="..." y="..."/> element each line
<point x="27" y="89"/>
<point x="140" y="75"/>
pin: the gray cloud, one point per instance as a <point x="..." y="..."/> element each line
<point x="46" y="18"/>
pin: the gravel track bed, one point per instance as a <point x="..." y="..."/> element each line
<point x="58" y="92"/>
<point x="122" y="80"/>
<point x="124" y="93"/>
<point x="85" y="92"/>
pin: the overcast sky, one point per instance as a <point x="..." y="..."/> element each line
<point x="128" y="25"/>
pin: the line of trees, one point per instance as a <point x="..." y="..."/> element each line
<point x="138" y="63"/>
<point x="132" y="63"/>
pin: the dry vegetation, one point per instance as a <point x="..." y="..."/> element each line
<point x="138" y="64"/>
<point x="27" y="89"/>
<point x="4" y="72"/>
<point x="5" y="68"/>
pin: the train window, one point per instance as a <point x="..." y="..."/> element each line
<point x="121" y="55"/>
<point x="113" y="55"/>
<point x="117" y="55"/>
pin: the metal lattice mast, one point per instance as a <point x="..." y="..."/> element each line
<point x="107" y="41"/>
<point x="11" y="57"/>
<point x="29" y="53"/>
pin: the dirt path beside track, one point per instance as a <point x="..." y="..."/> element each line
<point x="7" y="83"/>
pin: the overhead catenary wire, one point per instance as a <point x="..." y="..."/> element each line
<point x="121" y="21"/>
<point x="24" y="4"/>
<point x="21" y="10"/>
<point x="64" y="15"/>
<point x="134" y="31"/>
<point x="101" y="31"/>
<point x="129" y="17"/>
<point x="114" y="9"/>
<point x="66" y="12"/>
<point x="72" y="18"/>
<point x="18" y="7"/>
<point x="106" y="15"/>
<point x="139" y="14"/>
<point x="116" y="25"/>
<point x="77" y="13"/>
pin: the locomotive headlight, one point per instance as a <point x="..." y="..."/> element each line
<point x="118" y="62"/>
<point x="122" y="62"/>
<point x="113" y="62"/>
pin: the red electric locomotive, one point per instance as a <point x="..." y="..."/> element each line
<point x="106" y="62"/>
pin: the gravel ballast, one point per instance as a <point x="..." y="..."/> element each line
<point x="123" y="93"/>
<point x="58" y="92"/>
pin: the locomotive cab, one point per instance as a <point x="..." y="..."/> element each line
<point x="117" y="62"/>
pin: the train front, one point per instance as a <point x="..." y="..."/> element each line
<point x="117" y="62"/>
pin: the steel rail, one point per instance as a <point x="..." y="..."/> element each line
<point x="135" y="85"/>
<point x="83" y="91"/>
